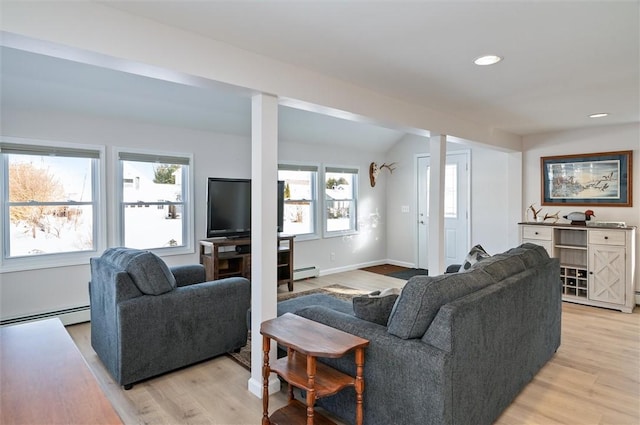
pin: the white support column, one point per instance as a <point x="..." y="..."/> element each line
<point x="264" y="236"/>
<point x="514" y="197"/>
<point x="438" y="150"/>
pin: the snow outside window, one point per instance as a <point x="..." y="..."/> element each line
<point x="51" y="205"/>
<point x="155" y="209"/>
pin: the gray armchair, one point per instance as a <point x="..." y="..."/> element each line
<point x="147" y="318"/>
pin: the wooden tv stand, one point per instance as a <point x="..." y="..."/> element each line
<point x="232" y="257"/>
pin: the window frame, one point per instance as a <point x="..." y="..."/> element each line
<point x="98" y="203"/>
<point x="314" y="202"/>
<point x="354" y="228"/>
<point x="146" y="155"/>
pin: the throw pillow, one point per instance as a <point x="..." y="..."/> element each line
<point x="376" y="306"/>
<point x="476" y="254"/>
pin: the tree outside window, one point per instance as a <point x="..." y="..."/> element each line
<point x="340" y="200"/>
<point x="299" y="198"/>
<point x="153" y="191"/>
<point x="50" y="202"/>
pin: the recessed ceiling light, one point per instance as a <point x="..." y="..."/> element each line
<point x="487" y="60"/>
<point x="599" y="115"/>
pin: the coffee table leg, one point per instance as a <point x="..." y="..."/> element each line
<point x="359" y="384"/>
<point x="266" y="371"/>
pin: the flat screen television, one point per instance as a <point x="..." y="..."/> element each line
<point x="229" y="207"/>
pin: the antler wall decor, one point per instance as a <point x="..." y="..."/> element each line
<point x="374" y="170"/>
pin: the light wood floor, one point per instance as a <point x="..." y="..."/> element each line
<point x="594" y="378"/>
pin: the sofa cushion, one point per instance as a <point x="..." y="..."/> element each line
<point x="376" y="306"/>
<point x="422" y="297"/>
<point x="149" y="273"/>
<point x="477" y="253"/>
<point x="501" y="266"/>
<point x="530" y="254"/>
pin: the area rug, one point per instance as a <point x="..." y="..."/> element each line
<point x="338" y="291"/>
<point x="398" y="272"/>
<point x="408" y="273"/>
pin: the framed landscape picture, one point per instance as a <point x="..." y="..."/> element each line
<point x="588" y="179"/>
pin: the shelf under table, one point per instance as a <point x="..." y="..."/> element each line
<point x="295" y="413"/>
<point x="328" y="380"/>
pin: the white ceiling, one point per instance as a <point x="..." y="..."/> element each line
<point x="562" y="62"/>
<point x="33" y="81"/>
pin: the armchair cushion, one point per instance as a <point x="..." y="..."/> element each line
<point x="188" y="274"/>
<point x="149" y="273"/>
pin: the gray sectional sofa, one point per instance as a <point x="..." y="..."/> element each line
<point x="457" y="348"/>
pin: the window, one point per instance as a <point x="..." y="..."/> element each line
<point x="51" y="204"/>
<point x="154" y="200"/>
<point x="341" y="195"/>
<point x="450" y="190"/>
<point x="300" y="199"/>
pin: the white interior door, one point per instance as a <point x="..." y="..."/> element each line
<point x="456" y="209"/>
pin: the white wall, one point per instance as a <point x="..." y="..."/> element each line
<point x="597" y="139"/>
<point x="215" y="155"/>
<point x="491" y="223"/>
<point x="369" y="245"/>
<point x="95" y="33"/>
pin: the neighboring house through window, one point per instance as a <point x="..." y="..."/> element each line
<point x="155" y="201"/>
<point x="341" y="199"/>
<point x="51" y="203"/>
<point x="300" y="199"/>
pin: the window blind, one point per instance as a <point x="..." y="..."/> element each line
<point x="20" y="149"/>
<point x="163" y="159"/>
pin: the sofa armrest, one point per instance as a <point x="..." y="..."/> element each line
<point x="189" y="274"/>
<point x="391" y="366"/>
<point x="191" y="323"/>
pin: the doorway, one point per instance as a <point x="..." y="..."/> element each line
<point x="456" y="208"/>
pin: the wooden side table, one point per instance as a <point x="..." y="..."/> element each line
<point x="305" y="341"/>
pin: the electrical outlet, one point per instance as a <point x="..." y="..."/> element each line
<point x="332" y="256"/>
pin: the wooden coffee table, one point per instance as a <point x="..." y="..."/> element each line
<point x="45" y="379"/>
<point x="307" y="340"/>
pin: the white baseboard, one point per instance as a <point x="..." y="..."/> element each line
<point x="306" y="273"/>
<point x="255" y="386"/>
<point x="69" y="316"/>
<point x="325" y="272"/>
<point x="402" y="264"/>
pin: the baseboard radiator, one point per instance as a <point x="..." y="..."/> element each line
<point x="306" y="272"/>
<point x="67" y="316"/>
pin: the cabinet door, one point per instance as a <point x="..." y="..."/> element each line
<point x="545" y="244"/>
<point x="607" y="274"/>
